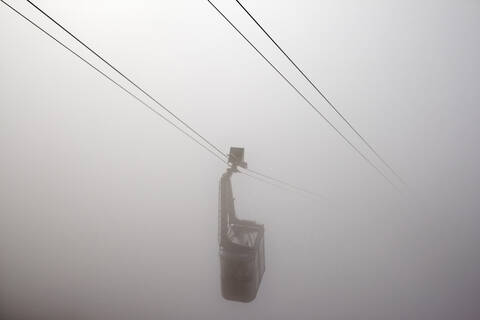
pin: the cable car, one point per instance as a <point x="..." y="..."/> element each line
<point x="241" y="242"/>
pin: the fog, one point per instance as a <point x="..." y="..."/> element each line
<point x="108" y="212"/>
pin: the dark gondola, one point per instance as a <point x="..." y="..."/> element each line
<point x="242" y="251"/>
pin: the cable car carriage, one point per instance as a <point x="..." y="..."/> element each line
<point x="241" y="242"/>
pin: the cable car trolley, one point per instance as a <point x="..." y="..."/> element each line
<point x="241" y="242"/>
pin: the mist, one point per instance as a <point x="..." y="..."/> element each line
<point x="108" y="212"/>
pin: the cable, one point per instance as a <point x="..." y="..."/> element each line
<point x="138" y="99"/>
<point x="276" y="180"/>
<point x="286" y="184"/>
<point x="165" y="108"/>
<point x="166" y="119"/>
<point x="323" y="96"/>
<point x="126" y="78"/>
<point x="153" y="110"/>
<point x="304" y="98"/>
<point x="279" y="186"/>
<point x="283" y="183"/>
<point x="156" y="101"/>
<point x="113" y="81"/>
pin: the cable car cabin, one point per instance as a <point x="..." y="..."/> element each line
<point x="242" y="251"/>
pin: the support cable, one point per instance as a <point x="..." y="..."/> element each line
<point x="156" y="100"/>
<point x="276" y="182"/>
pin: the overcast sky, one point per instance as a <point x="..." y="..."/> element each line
<point x="108" y="212"/>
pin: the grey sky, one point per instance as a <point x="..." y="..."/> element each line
<point x="106" y="212"/>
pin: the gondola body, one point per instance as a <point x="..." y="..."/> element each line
<point x="241" y="243"/>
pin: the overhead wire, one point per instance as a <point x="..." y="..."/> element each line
<point x="322" y="94"/>
<point x="147" y="105"/>
<point x="167" y="109"/>
<point x="304" y="97"/>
